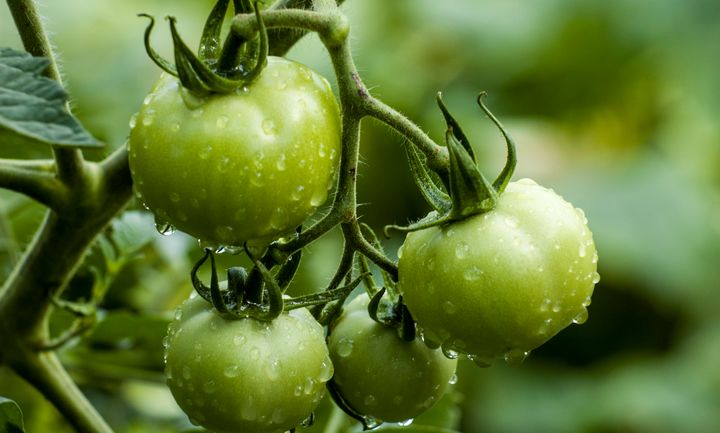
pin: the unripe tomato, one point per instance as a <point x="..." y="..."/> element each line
<point x="245" y="375"/>
<point x="501" y="283"/>
<point x="380" y="375"/>
<point x="247" y="166"/>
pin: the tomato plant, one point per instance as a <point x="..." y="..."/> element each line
<point x="505" y="281"/>
<point x="246" y="166"/>
<point x="380" y="375"/>
<point x="245" y="375"/>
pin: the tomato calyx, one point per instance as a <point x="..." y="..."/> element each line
<point x="468" y="191"/>
<point x="215" y="69"/>
<point x="259" y="294"/>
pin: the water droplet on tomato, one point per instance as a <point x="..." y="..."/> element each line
<point x="205" y="152"/>
<point x="370" y="400"/>
<point x="309" y="386"/>
<point x="174" y="197"/>
<point x="222" y="122"/>
<point x="581" y="317"/>
<point x="280" y="163"/>
<point x="406" y="423"/>
<point x="483" y="361"/>
<point x="278" y="416"/>
<point x="248" y="410"/>
<point x="461" y="250"/>
<point x="449" y="307"/>
<point x="239" y="340"/>
<point x="186" y="372"/>
<point x="596" y="278"/>
<point x="224" y="232"/>
<point x="163" y="227"/>
<point x="326" y="370"/>
<point x="472" y="273"/>
<point x="296" y="195"/>
<point x="133" y="120"/>
<point x="321" y="150"/>
<point x="269" y="127"/>
<point x="209" y="386"/>
<point x="449" y="353"/>
<point x="516" y="356"/>
<point x="453" y="379"/>
<point x="318" y="198"/>
<point x="232" y="370"/>
<point x="582" y="250"/>
<point x="272" y="370"/>
<point x="344" y="347"/>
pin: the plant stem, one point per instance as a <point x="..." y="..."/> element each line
<point x="32" y="33"/>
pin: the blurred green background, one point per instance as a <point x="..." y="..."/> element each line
<point x="614" y="104"/>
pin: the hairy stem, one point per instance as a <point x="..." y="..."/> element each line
<point x="32" y="33"/>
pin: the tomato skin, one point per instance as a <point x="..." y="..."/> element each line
<point x="245" y="375"/>
<point x="247" y="166"/>
<point x="503" y="282"/>
<point x="380" y="375"/>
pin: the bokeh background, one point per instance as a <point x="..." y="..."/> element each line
<point x="614" y="104"/>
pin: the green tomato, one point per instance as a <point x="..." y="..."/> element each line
<point x="245" y="375"/>
<point x="504" y="282"/>
<point x="247" y="166"/>
<point x="380" y="375"/>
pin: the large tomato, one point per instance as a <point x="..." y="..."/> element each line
<point x="245" y="375"/>
<point x="504" y="282"/>
<point x="246" y="166"/>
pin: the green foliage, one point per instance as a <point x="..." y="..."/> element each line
<point x="33" y="106"/>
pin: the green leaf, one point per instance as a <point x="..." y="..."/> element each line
<point x="33" y="106"/>
<point x="11" y="418"/>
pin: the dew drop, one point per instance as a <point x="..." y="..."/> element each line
<point x="321" y="151"/>
<point x="272" y="370"/>
<point x="371" y="422"/>
<point x="472" y="273"/>
<point x="174" y="197"/>
<point x="254" y="353"/>
<point x="582" y="250"/>
<point x="581" y="317"/>
<point x="326" y="370"/>
<point x="232" y="370"/>
<point x="148" y="99"/>
<point x="279" y="219"/>
<point x="186" y="372"/>
<point x="557" y="307"/>
<point x="278" y="416"/>
<point x="148" y="117"/>
<point x="248" y="410"/>
<point x="482" y="361"/>
<point x="209" y="386"/>
<point x="449" y="307"/>
<point x="449" y="353"/>
<point x="309" y="385"/>
<point x="164" y="227"/>
<point x="133" y="120"/>
<point x="406" y="423"/>
<point x="239" y="340"/>
<point x="370" y="400"/>
<point x="595" y="257"/>
<point x="282" y="85"/>
<point x="296" y="195"/>
<point x="222" y="122"/>
<point x="397" y="400"/>
<point x="453" y="379"/>
<point x="178" y="313"/>
<point x="204" y="153"/>
<point x="224" y="232"/>
<point x="318" y="198"/>
<point x="280" y="163"/>
<point x="461" y="250"/>
<point x="596" y="278"/>
<point x="344" y="347"/>
<point x="511" y="222"/>
<point x="298" y="390"/>
<point x="516" y="356"/>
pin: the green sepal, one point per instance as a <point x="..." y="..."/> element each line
<point x="504" y="177"/>
<point x="470" y="192"/>
<point x="209" y="49"/>
<point x="288" y="270"/>
<point x="406" y="330"/>
<point x="344" y="406"/>
<point x="275" y="302"/>
<point x="430" y="190"/>
<point x="455" y="127"/>
<point x="163" y="64"/>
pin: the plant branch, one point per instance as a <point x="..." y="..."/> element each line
<point x="40" y="186"/>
